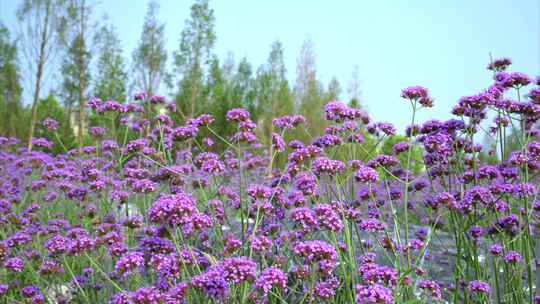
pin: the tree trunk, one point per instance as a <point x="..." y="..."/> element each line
<point x="34" y="107"/>
<point x="39" y="74"/>
<point x="82" y="47"/>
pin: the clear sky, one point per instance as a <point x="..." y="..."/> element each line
<point x="443" y="45"/>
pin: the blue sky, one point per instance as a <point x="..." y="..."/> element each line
<point x="443" y="45"/>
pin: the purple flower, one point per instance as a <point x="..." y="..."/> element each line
<point x="57" y="245"/>
<point x="96" y="131"/>
<point x="172" y="209"/>
<point x="185" y="132"/>
<point x="29" y="291"/>
<point x="512" y="257"/>
<point x="212" y="282"/>
<point x="414" y="92"/>
<point x="371" y="225"/>
<point x="238" y="269"/>
<point x="317" y="252"/>
<point x="50" y="267"/>
<point x="261" y="243"/>
<point x="478" y="287"/>
<point x="140" y="96"/>
<point x="329" y="166"/>
<point x="499" y="64"/>
<point x="326" y="289"/>
<point x="144" y="186"/>
<point x="147" y="295"/>
<point x="3" y="289"/>
<point x="304" y="218"/>
<point x="306" y="182"/>
<point x="136" y="145"/>
<point x="50" y="124"/>
<point x="238" y="115"/>
<point x="432" y="287"/>
<point x="212" y="166"/>
<point x="400" y="147"/>
<point x="157" y="99"/>
<point x="372" y="273"/>
<point x="288" y="121"/>
<point x="476" y="232"/>
<point x="120" y="298"/>
<point x="328" y="218"/>
<point x="129" y="262"/>
<point x="496" y="249"/>
<point x="366" y="175"/>
<point x="513" y="79"/>
<point x="14" y="264"/>
<point x="327" y="140"/>
<point x="278" y="143"/>
<point x="42" y="142"/>
<point x="376" y="294"/>
<point x="269" y="278"/>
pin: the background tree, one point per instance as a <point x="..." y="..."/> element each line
<point x="244" y="86"/>
<point x="10" y="89"/>
<point x="416" y="154"/>
<point x="273" y="95"/>
<point x="150" y="55"/>
<point x="50" y="107"/>
<point x="111" y="75"/>
<point x="334" y="90"/>
<point x="219" y="91"/>
<point x="229" y="86"/>
<point x="193" y="56"/>
<point x="309" y="92"/>
<point x="40" y="34"/>
<point x="354" y="90"/>
<point x="75" y="66"/>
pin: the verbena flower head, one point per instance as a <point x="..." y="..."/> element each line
<point x="414" y="92"/>
<point x="373" y="294"/>
<point x="212" y="282"/>
<point x="50" y="124"/>
<point x="288" y="121"/>
<point x="479" y="287"/>
<point x="129" y="262"/>
<point x="430" y="287"/>
<point x="271" y="277"/>
<point x="238" y="269"/>
<point x="512" y="257"/>
<point x="366" y="175"/>
<point x="317" y="252"/>
<point x="328" y="166"/>
<point x="499" y="64"/>
<point x="512" y="80"/>
<point x="237" y="115"/>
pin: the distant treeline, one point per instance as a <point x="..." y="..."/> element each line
<point x="61" y="37"/>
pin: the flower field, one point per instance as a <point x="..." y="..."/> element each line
<point x="180" y="213"/>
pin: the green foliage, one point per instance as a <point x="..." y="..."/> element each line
<point x="204" y="83"/>
<point x="354" y="103"/>
<point x="273" y="94"/>
<point x="229" y="86"/>
<point x="75" y="71"/>
<point x="309" y="92"/>
<point x="150" y="56"/>
<point x="10" y="89"/>
<point x="334" y="90"/>
<point x="111" y="75"/>
<point x="111" y="78"/>
<point x="416" y="153"/>
<point x="193" y="57"/>
<point x="50" y="108"/>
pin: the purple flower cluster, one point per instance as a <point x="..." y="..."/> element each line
<point x="177" y="212"/>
